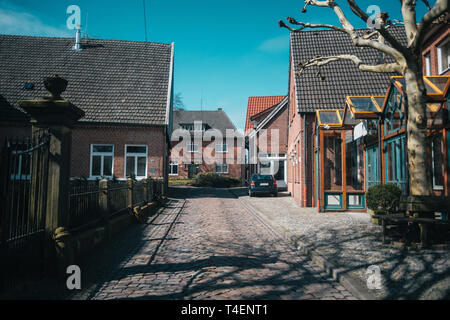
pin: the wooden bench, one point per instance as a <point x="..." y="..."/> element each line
<point x="423" y="223"/>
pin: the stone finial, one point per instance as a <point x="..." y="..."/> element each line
<point x="55" y="85"/>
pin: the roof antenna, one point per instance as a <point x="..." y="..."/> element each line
<point x="145" y="21"/>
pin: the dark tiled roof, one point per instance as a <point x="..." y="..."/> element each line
<point x="112" y="81"/>
<point x="216" y="119"/>
<point x="342" y="78"/>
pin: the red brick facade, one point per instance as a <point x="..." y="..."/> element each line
<point x="300" y="151"/>
<point x="235" y="169"/>
<point x="84" y="135"/>
<point x="431" y="50"/>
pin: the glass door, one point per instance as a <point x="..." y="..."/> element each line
<point x="395" y="160"/>
<point x="372" y="167"/>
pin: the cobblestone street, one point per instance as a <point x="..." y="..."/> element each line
<point x="205" y="245"/>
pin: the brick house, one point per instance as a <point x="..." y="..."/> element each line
<point x="266" y="128"/>
<point x="188" y="154"/>
<point x="124" y="87"/>
<point x="309" y="92"/>
<point x="436" y="52"/>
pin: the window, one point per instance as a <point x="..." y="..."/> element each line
<point x="102" y="160"/>
<point x="443" y="52"/>
<point x="427" y="64"/>
<point x="221" y="147"/>
<point x="192" y="147"/>
<point x="437" y="163"/>
<point x="221" y="168"/>
<point x="136" y="161"/>
<point x="194" y="127"/>
<point x="173" y="169"/>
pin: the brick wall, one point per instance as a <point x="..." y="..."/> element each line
<point x="280" y="123"/>
<point x="431" y="48"/>
<point x="300" y="182"/>
<point x="84" y="135"/>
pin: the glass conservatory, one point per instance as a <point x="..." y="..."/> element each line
<point x="364" y="144"/>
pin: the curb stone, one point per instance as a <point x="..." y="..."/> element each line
<point x="350" y="283"/>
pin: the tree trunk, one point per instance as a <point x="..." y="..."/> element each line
<point x="420" y="183"/>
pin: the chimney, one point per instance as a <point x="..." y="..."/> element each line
<point x="77" y="45"/>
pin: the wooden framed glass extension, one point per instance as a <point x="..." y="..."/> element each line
<point x="348" y="161"/>
<point x="339" y="164"/>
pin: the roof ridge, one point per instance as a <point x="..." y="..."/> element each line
<point x="2" y="35"/>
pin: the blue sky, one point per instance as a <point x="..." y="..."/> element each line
<point x="225" y="51"/>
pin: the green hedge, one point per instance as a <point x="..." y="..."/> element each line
<point x="215" y="180"/>
<point x="384" y="198"/>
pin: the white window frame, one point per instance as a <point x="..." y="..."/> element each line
<point x="441" y="69"/>
<point x="135" y="155"/>
<point x="427" y="58"/>
<point x="170" y="168"/>
<point x="221" y="166"/>
<point x="221" y="148"/>
<point x="435" y="187"/>
<point x="189" y="149"/>
<point x="102" y="154"/>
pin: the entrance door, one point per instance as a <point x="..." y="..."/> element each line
<point x="192" y="170"/>
<point x="372" y="167"/>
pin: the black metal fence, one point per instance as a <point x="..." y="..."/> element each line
<point x="87" y="199"/>
<point x="23" y="188"/>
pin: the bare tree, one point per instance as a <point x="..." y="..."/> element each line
<point x="178" y="102"/>
<point x="407" y="61"/>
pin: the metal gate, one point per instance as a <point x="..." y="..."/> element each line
<point x="23" y="190"/>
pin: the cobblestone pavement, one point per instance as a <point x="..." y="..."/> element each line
<point x="352" y="243"/>
<point x="205" y="245"/>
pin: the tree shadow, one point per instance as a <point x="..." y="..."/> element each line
<point x="407" y="274"/>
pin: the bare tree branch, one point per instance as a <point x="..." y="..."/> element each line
<point x="305" y="25"/>
<point x="427" y="4"/>
<point x="363" y="15"/>
<point x="319" y="61"/>
<point x="440" y="7"/>
<point x="349" y="29"/>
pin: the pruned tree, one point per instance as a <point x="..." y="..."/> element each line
<point x="406" y="61"/>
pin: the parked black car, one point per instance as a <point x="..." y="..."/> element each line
<point x="262" y="184"/>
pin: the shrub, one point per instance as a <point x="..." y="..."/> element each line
<point x="215" y="180"/>
<point x="384" y="198"/>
